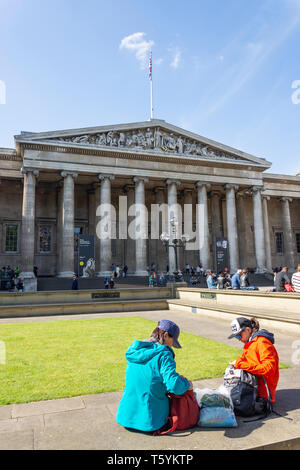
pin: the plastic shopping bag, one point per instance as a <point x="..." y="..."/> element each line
<point x="216" y="408"/>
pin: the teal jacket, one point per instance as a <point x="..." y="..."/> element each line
<point x="150" y="374"/>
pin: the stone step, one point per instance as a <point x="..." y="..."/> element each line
<point x="12" y="311"/>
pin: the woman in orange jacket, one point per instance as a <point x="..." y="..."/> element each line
<point x="259" y="355"/>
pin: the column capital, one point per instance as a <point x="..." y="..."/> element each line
<point x="229" y="186"/>
<point x="104" y="176"/>
<point x="267" y="198"/>
<point x="255" y="189"/>
<point x="64" y="174"/>
<point x="199" y="184"/>
<point x="285" y="199"/>
<point x="172" y="181"/>
<point x="137" y="179"/>
<point x="34" y="171"/>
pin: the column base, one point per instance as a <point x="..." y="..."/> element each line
<point x="30" y="281"/>
<point x="66" y="274"/>
<point x="261" y="271"/>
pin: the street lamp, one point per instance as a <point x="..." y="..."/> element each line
<point x="175" y="242"/>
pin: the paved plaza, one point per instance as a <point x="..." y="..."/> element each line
<point x="88" y="422"/>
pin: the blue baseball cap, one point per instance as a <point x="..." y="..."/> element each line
<point x="171" y="328"/>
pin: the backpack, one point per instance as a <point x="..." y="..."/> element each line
<point x="184" y="413"/>
<point x="242" y="387"/>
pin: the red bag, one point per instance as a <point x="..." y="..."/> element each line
<point x="184" y="413"/>
<point x="288" y="287"/>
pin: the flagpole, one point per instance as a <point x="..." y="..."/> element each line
<point x="151" y="86"/>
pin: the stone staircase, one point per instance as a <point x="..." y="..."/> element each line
<point x="54" y="283"/>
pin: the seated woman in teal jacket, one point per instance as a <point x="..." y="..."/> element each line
<point x="150" y="374"/>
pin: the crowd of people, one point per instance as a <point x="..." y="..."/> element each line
<point x="116" y="273"/>
<point x="239" y="280"/>
<point x="10" y="279"/>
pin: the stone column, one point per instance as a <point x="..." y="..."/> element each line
<point x="28" y="229"/>
<point x="259" y="237"/>
<point x="141" y="227"/>
<point x="104" y="227"/>
<point x="242" y="228"/>
<point x="130" y="242"/>
<point x="265" y="200"/>
<point x="203" y="228"/>
<point x="232" y="234"/>
<point x="173" y="212"/>
<point x="216" y="218"/>
<point x="287" y="233"/>
<point x="59" y="225"/>
<point x="160" y="250"/>
<point x="188" y="255"/>
<point x="68" y="211"/>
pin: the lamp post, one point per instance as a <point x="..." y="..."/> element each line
<point x="172" y="241"/>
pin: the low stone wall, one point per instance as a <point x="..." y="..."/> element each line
<point x="267" y="301"/>
<point x="28" y="304"/>
<point x="84" y="296"/>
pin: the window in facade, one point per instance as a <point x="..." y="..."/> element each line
<point x="298" y="242"/>
<point x="45" y="238"/>
<point x="11" y="238"/>
<point x="279" y="242"/>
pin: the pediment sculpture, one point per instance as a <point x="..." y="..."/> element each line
<point x="155" y="140"/>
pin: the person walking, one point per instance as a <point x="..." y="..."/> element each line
<point x="296" y="279"/>
<point x="150" y="374"/>
<point x="259" y="355"/>
<point x="75" y="282"/>
<point x="281" y="279"/>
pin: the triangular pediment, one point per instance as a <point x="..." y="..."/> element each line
<point x="155" y="137"/>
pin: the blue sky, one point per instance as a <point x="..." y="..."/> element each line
<point x="222" y="69"/>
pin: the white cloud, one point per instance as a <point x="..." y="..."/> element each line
<point x="137" y="43"/>
<point x="158" y="61"/>
<point x="176" y="59"/>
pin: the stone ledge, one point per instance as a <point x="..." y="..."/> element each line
<point x="236" y="311"/>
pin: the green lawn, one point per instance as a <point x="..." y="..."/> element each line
<point x="56" y="359"/>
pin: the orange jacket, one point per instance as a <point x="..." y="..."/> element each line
<point x="260" y="357"/>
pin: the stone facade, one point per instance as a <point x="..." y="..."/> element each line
<point x="53" y="183"/>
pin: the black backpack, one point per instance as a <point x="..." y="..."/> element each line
<point x="242" y="387"/>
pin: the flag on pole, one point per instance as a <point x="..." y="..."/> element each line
<point x="150" y="67"/>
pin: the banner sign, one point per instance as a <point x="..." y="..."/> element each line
<point x="86" y="257"/>
<point x="221" y="254"/>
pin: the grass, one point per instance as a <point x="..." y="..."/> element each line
<point x="57" y="359"/>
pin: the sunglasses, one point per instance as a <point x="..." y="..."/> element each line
<point x="239" y="336"/>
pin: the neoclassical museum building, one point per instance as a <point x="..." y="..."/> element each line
<point x="53" y="183"/>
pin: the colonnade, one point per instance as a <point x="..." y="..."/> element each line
<point x="136" y="194"/>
